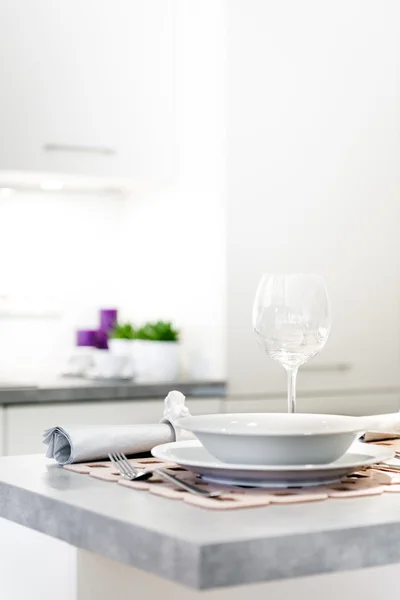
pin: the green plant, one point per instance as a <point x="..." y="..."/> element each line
<point x="160" y="331"/>
<point x="123" y="331"/>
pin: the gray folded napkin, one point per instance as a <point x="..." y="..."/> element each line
<point x="381" y="427"/>
<point x="84" y="443"/>
<point x="79" y="443"/>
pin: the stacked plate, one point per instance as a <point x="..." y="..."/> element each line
<point x="272" y="449"/>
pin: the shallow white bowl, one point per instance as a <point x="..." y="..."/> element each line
<point x="274" y="438"/>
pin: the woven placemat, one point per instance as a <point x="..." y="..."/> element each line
<point x="366" y="482"/>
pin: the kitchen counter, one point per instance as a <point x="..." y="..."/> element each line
<point x="199" y="548"/>
<point x="66" y="389"/>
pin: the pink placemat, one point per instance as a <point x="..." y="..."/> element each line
<point x="366" y="482"/>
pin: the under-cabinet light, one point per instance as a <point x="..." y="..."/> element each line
<point x="51" y="185"/>
<point x="6" y="192"/>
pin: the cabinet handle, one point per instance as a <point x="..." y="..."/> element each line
<point x="79" y="149"/>
<point x="328" y="367"/>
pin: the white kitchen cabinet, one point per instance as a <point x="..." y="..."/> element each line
<point x="358" y="405"/>
<point x="88" y="87"/>
<point x="203" y="406"/>
<point x="47" y="564"/>
<point x="24" y="425"/>
<point x="313" y="184"/>
<point x="2" y="424"/>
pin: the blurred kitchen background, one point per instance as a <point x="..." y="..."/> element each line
<point x="156" y="157"/>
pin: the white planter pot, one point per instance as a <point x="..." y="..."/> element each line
<point x="120" y="347"/>
<point x="123" y="350"/>
<point x="109" y="365"/>
<point x="155" y="361"/>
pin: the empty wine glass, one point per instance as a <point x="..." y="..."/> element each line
<point x="291" y="319"/>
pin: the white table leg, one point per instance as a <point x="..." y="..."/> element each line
<point x="104" y="579"/>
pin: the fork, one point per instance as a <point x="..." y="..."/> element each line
<point x="126" y="470"/>
<point x="384" y="466"/>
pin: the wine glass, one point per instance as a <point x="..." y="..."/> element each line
<point x="291" y="320"/>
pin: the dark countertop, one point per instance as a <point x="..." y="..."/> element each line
<point x="199" y="548"/>
<point x="66" y="389"/>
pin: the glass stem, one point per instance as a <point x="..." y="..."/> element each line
<point x="292" y="375"/>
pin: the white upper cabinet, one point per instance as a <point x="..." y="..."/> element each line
<point x="313" y="182"/>
<point x="88" y="87"/>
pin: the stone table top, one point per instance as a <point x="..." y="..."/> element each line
<point x="199" y="548"/>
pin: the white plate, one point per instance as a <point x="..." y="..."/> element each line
<point x="193" y="456"/>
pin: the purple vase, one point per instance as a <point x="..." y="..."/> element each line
<point x="101" y="339"/>
<point x="108" y="319"/>
<point x="86" y="337"/>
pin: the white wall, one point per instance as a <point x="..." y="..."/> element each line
<point x="60" y="246"/>
<point x="152" y="256"/>
<point x="175" y="269"/>
<point x="314" y="180"/>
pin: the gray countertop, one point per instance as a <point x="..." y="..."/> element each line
<point x="199" y="548"/>
<point x="76" y="390"/>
